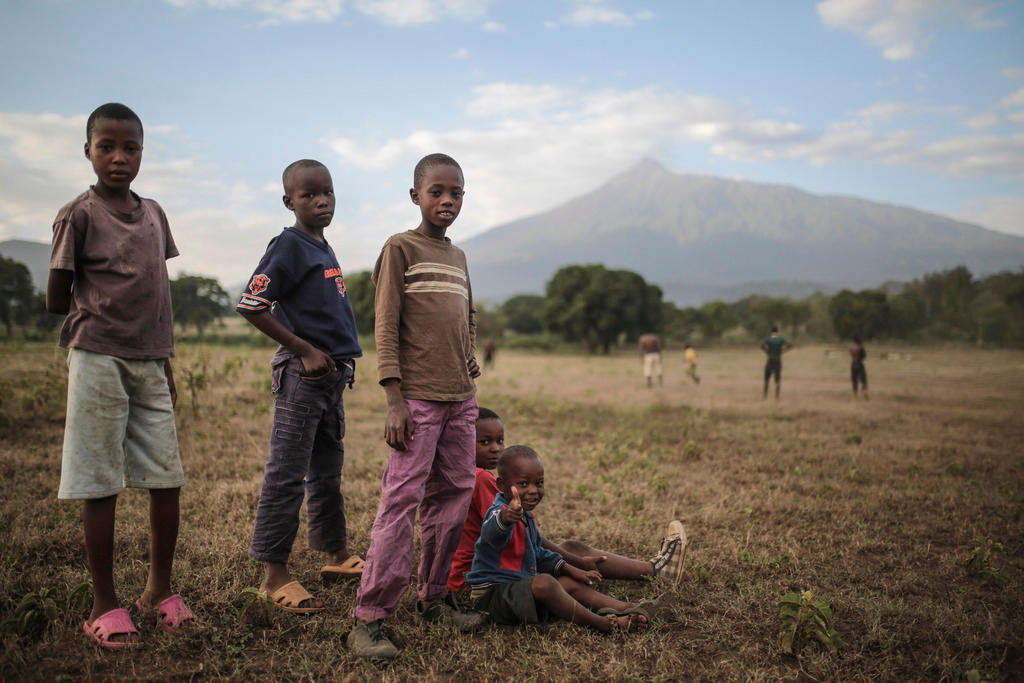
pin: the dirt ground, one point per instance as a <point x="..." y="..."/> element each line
<point x="902" y="513"/>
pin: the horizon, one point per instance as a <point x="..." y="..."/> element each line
<point x="914" y="106"/>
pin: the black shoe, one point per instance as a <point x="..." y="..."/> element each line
<point x="444" y="611"/>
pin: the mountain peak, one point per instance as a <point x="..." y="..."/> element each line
<point x="645" y="168"/>
<point x="704" y="230"/>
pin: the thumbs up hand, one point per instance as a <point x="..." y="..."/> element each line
<point x="514" y="512"/>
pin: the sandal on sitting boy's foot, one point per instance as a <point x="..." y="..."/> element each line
<point x="116" y="622"/>
<point x="653" y="609"/>
<point x="171" y="613"/>
<point x="289" y="596"/>
<point x="352" y="568"/>
<point x="648" y="609"/>
<point x="628" y="623"/>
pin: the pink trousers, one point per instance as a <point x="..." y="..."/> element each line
<point x="435" y="474"/>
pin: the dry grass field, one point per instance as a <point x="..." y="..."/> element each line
<point x="902" y="513"/>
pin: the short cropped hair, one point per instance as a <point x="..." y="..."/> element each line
<point x="775" y="328"/>
<point x="487" y="414"/>
<point x="290" y="170"/>
<point x="428" y="162"/>
<point x="513" y="453"/>
<point x="111" y="110"/>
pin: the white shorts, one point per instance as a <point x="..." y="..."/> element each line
<point x="120" y="427"/>
<point x="652" y="364"/>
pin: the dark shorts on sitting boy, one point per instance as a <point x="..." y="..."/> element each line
<point x="510" y="604"/>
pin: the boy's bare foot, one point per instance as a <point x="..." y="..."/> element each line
<point x="628" y="623"/>
<point x="276" y="576"/>
<point x="338" y="556"/>
<point x="150" y="599"/>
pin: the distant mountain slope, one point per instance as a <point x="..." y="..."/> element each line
<point x="35" y="256"/>
<point x="702" y="235"/>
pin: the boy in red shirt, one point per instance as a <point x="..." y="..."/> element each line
<point x="490" y="441"/>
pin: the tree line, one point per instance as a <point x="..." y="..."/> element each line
<point x="598" y="308"/>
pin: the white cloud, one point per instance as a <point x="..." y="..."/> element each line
<point x="902" y="29"/>
<point x="493" y="26"/>
<point x="461" y="53"/>
<point x="1013" y="73"/>
<point x="885" y="110"/>
<point x="1014" y="99"/>
<point x="528" y="147"/>
<point x="505" y="98"/>
<point x="397" y="12"/>
<point x="888" y="110"/>
<point x="292" y="11"/>
<point x="44" y="167"/>
<point x="589" y="12"/>
<point x="1005" y="214"/>
<point x="982" y="121"/>
<point x="547" y="144"/>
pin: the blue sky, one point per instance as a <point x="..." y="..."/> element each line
<point x="911" y="102"/>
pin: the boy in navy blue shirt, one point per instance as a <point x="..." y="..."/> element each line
<point x="297" y="297"/>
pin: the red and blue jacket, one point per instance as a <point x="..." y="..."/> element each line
<point x="506" y="554"/>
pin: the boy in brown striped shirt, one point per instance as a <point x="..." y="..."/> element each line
<point x="426" y="333"/>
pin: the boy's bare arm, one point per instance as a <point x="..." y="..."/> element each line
<point x="589" y="577"/>
<point x="586" y="562"/>
<point x="58" y="291"/>
<point x="314" y="361"/>
<point x="398" y="425"/>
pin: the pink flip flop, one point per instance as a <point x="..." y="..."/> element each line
<point x="116" y="622"/>
<point x="171" y="613"/>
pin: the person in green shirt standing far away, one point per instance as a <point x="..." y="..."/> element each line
<point x="774" y="345"/>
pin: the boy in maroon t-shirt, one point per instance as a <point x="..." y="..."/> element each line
<point x="108" y="274"/>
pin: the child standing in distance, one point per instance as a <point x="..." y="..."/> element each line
<point x="650" y="356"/>
<point x="108" y="272"/>
<point x="517" y="581"/>
<point x="490" y="442"/>
<point x="312" y="320"/>
<point x="426" y="331"/>
<point x="691" y="359"/>
<point x="858" y="375"/>
<point x="774" y="345"/>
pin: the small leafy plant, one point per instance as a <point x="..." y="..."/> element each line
<point x="80" y="598"/>
<point x="33" y="616"/>
<point x="804" y="617"/>
<point x="257" y="608"/>
<point x="980" y="560"/>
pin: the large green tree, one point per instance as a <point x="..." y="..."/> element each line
<point x="361" y="292"/>
<point x="594" y="305"/>
<point x="16" y="293"/>
<point x="524" y="313"/>
<point x="198" y="301"/>
<point x="715" y="318"/>
<point x="864" y="313"/>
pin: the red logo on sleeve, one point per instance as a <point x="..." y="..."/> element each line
<point x="259" y="284"/>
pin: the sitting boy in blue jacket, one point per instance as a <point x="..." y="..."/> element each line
<point x="517" y="581"/>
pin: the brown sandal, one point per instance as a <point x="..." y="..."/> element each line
<point x="289" y="596"/>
